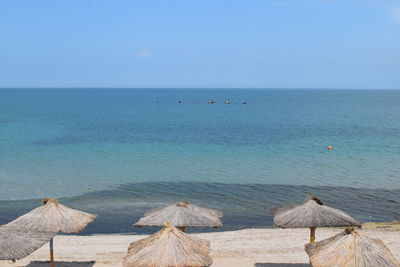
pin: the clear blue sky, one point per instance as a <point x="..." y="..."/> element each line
<point x="200" y="43"/>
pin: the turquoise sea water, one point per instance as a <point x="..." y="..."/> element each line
<point x="118" y="152"/>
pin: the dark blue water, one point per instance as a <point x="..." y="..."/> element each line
<point x="119" y="152"/>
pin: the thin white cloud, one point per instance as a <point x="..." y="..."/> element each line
<point x="144" y="54"/>
<point x="396" y="13"/>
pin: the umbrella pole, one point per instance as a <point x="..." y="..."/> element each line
<point x="51" y="253"/>
<point x="312" y="234"/>
<point x="182" y="228"/>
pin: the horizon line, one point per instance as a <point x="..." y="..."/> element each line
<point x="196" y="88"/>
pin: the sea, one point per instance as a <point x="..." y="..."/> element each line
<point x="120" y="152"/>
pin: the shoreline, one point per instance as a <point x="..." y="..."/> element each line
<point x="243" y="205"/>
<point x="267" y="247"/>
<point x="388" y="226"/>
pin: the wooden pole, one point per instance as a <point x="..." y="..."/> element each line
<point x="51" y="253"/>
<point x="312" y="234"/>
<point x="182" y="228"/>
<point x="45" y="200"/>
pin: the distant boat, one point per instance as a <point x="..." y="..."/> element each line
<point x="210" y="102"/>
<point x="227" y="102"/>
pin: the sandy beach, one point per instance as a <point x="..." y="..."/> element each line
<point x="200" y="133"/>
<point x="251" y="247"/>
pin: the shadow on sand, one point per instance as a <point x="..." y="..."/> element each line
<point x="62" y="264"/>
<point x="282" y="265"/>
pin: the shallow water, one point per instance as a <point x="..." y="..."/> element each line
<point x="119" y="152"/>
<point x="244" y="205"/>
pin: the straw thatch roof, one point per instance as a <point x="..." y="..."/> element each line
<point x="16" y="244"/>
<point x="168" y="247"/>
<point x="350" y="249"/>
<point x="182" y="214"/>
<point x="312" y="214"/>
<point x="53" y="217"/>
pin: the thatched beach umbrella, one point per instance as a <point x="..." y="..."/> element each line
<point x="16" y="244"/>
<point x="311" y="214"/>
<point x="350" y="249"/>
<point x="168" y="247"/>
<point x="181" y="215"/>
<point x="53" y="217"/>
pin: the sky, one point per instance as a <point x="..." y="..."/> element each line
<point x="200" y="43"/>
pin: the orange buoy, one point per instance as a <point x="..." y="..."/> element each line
<point x="330" y="147"/>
